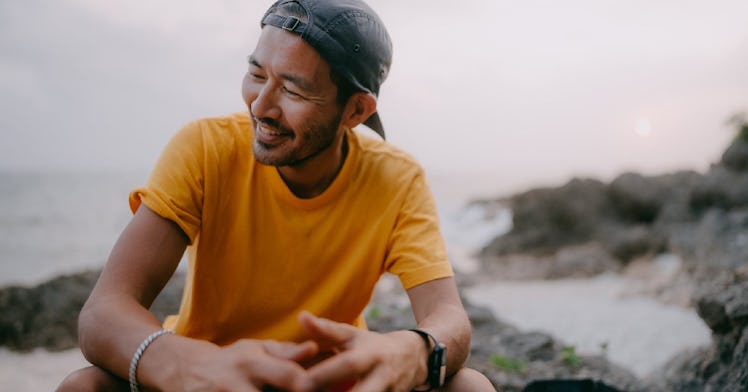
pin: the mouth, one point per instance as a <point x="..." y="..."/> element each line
<point x="270" y="135"/>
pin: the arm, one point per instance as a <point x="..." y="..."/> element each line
<point x="438" y="310"/>
<point x="115" y="319"/>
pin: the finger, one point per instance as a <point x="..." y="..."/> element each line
<point x="292" y="351"/>
<point x="346" y="366"/>
<point x="326" y="331"/>
<point x="282" y="374"/>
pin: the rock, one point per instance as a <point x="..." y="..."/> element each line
<point x="47" y="315"/>
<point x="713" y="314"/>
<point x="639" y="199"/>
<point x="724" y="365"/>
<point x="544" y="220"/>
<point x="576" y="261"/>
<point x="718" y="239"/>
<point x="721" y="188"/>
<point x="735" y="156"/>
<point x="581" y="261"/>
<point x="626" y="243"/>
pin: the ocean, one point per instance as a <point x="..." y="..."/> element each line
<point x="54" y="223"/>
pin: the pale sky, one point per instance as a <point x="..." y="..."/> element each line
<point x="524" y="92"/>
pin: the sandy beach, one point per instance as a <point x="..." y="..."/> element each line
<point x="39" y="370"/>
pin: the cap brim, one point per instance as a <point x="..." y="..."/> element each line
<point x="375" y="123"/>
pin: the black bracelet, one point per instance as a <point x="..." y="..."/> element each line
<point x="436" y="364"/>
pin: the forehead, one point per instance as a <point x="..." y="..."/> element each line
<point x="280" y="51"/>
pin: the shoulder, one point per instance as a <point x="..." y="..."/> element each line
<point x="219" y="134"/>
<point x="228" y="126"/>
<point x="377" y="154"/>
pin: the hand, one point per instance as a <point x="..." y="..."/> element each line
<point x="248" y="365"/>
<point x="380" y="362"/>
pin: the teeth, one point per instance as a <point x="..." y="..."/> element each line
<point x="271" y="133"/>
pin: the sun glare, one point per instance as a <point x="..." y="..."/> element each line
<point x="643" y="127"/>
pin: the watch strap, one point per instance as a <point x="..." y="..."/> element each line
<point x="436" y="363"/>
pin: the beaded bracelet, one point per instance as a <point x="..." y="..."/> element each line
<point x="139" y="353"/>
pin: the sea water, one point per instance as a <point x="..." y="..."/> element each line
<point x="54" y="223"/>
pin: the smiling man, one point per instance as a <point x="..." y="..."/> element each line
<point x="289" y="218"/>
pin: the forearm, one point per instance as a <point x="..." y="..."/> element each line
<point x="438" y="309"/>
<point x="111" y="328"/>
<point x="450" y="325"/>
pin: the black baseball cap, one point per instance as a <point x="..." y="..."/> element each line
<point x="349" y="35"/>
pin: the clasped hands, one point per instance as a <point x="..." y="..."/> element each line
<point x="338" y="357"/>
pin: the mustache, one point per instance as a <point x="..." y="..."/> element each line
<point x="272" y="123"/>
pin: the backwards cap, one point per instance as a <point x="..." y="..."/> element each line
<point x="349" y="35"/>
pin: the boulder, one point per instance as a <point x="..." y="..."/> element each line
<point x="547" y="219"/>
<point x="735" y="156"/>
<point x="47" y="315"/>
<point x="720" y="188"/>
<point x="724" y="365"/>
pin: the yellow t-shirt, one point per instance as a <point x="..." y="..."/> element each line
<point x="259" y="255"/>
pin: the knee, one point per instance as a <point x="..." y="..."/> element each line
<point x="91" y="379"/>
<point x="467" y="379"/>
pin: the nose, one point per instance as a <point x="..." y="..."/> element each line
<point x="262" y="102"/>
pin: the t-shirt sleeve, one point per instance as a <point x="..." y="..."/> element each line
<point x="417" y="253"/>
<point x="175" y="187"/>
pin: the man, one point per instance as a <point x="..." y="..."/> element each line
<point x="289" y="218"/>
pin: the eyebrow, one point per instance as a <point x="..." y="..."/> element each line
<point x="299" y="81"/>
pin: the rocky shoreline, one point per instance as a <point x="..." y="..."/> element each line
<point x="581" y="229"/>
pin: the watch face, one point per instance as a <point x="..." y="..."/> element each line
<point x="443" y="366"/>
<point x="437" y="366"/>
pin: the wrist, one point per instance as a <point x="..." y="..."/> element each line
<point x="167" y="361"/>
<point x="416" y="353"/>
<point x="436" y="361"/>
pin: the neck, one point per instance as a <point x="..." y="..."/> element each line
<point x="314" y="176"/>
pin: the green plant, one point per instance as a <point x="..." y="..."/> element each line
<point x="374" y="313"/>
<point x="508" y="364"/>
<point x="740" y="122"/>
<point x="569" y="356"/>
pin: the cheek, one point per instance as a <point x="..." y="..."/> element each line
<point x="249" y="90"/>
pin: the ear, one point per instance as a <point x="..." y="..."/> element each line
<point x="360" y="106"/>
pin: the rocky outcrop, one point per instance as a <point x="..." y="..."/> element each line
<point x="47" y="315"/>
<point x="701" y="218"/>
<point x="723" y="366"/>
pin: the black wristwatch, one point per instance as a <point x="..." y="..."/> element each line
<point x="436" y="364"/>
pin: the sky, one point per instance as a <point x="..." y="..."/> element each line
<point x="509" y="93"/>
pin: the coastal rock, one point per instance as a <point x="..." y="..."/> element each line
<point x="547" y="219"/>
<point x="47" y="315"/>
<point x="701" y="218"/>
<point x="724" y="365"/>
<point x="735" y="156"/>
<point x="721" y="188"/>
<point x="717" y="240"/>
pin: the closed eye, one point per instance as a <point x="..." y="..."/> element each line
<point x="291" y="92"/>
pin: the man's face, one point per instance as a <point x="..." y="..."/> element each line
<point x="291" y="99"/>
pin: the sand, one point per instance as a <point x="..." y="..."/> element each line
<point x="597" y="316"/>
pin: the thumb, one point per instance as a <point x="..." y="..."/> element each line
<point x="326" y="332"/>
